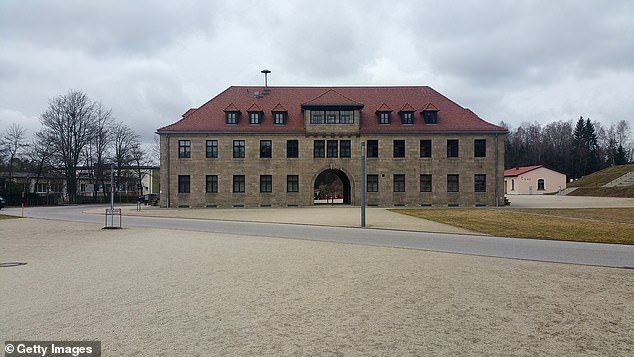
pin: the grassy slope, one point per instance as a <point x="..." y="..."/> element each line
<point x="600" y="178"/>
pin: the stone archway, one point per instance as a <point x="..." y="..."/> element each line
<point x="332" y="186"/>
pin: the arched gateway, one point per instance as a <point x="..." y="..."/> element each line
<point x="332" y="186"/>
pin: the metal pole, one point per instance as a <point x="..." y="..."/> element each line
<point x="363" y="184"/>
<point x="111" y="186"/>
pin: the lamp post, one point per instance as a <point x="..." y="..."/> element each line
<point x="363" y="184"/>
<point x="111" y="186"/>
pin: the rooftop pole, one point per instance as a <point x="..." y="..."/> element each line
<point x="363" y="184"/>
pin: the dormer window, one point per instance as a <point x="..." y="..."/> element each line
<point x="255" y="117"/>
<point x="430" y="114"/>
<point x="231" y="117"/>
<point x="279" y="118"/>
<point x="430" y="117"/>
<point x="407" y="117"/>
<point x="384" y="117"/>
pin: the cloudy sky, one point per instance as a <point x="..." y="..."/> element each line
<point x="149" y="61"/>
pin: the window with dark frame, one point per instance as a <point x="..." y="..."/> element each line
<point x="279" y="118"/>
<point x="452" y="148"/>
<point x="265" y="148"/>
<point x="266" y="183"/>
<point x="238" y="183"/>
<point x="332" y="117"/>
<point x="319" y="149"/>
<point x="399" y="148"/>
<point x="540" y="185"/>
<point x="407" y="117"/>
<point x="238" y="149"/>
<point x="317" y="117"/>
<point x="211" y="149"/>
<point x="425" y="148"/>
<point x="430" y="117"/>
<point x="292" y="183"/>
<point x="231" y="117"/>
<point x="373" y="148"/>
<point x="331" y="148"/>
<point x="211" y="183"/>
<point x="372" y="183"/>
<point x="425" y="183"/>
<point x="183" y="184"/>
<point x="292" y="148"/>
<point x="453" y="183"/>
<point x="399" y="183"/>
<point x="184" y="149"/>
<point x="384" y="117"/>
<point x="480" y="147"/>
<point x="255" y="117"/>
<point x="344" y="148"/>
<point x="480" y="183"/>
<point x="346" y="117"/>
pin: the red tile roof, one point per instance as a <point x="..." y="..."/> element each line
<point x="278" y="108"/>
<point x="407" y="108"/>
<point x="254" y="108"/>
<point x="520" y="170"/>
<point x="430" y="108"/>
<point x="384" y="108"/>
<point x="210" y="117"/>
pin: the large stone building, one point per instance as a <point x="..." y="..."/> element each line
<point x="266" y="146"/>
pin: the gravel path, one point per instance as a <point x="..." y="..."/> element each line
<point x="156" y="292"/>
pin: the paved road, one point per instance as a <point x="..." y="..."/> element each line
<point x="610" y="255"/>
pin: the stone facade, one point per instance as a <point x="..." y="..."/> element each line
<point x="307" y="167"/>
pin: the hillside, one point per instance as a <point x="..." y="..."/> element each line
<point x="592" y="185"/>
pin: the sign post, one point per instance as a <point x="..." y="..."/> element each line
<point x="363" y="184"/>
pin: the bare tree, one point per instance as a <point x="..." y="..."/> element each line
<point x="97" y="148"/>
<point x="69" y="124"/>
<point x="139" y="158"/>
<point x="124" y="141"/>
<point x="40" y="154"/>
<point x="13" y="142"/>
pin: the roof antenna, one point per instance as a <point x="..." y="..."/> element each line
<point x="266" y="81"/>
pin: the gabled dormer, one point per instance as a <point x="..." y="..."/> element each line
<point x="384" y="114"/>
<point x="280" y="114"/>
<point x="255" y="114"/>
<point x="332" y="112"/>
<point x="430" y="114"/>
<point x="407" y="114"/>
<point x="232" y="114"/>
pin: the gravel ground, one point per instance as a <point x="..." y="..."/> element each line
<point x="153" y="292"/>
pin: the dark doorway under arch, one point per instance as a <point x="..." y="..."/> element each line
<point x="332" y="187"/>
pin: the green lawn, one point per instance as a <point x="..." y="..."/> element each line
<point x="607" y="225"/>
<point x="4" y="216"/>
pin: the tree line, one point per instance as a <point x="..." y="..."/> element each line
<point x="573" y="148"/>
<point x="76" y="132"/>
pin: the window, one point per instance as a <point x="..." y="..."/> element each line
<point x="332" y="117"/>
<point x="480" y="148"/>
<point x="292" y="183"/>
<point x="292" y="148"/>
<point x="211" y="150"/>
<point x="453" y="183"/>
<point x="332" y="148"/>
<point x="344" y="148"/>
<point x="184" y="148"/>
<point x="384" y="117"/>
<point x="540" y="185"/>
<point x="480" y="183"/>
<point x="183" y="183"/>
<point x="346" y="117"/>
<point x="238" y="183"/>
<point x="238" y="149"/>
<point x="407" y="117"/>
<point x="425" y="183"/>
<point x="317" y="117"/>
<point x="279" y="118"/>
<point x="425" y="148"/>
<point x="319" y="148"/>
<point x="43" y="187"/>
<point x="231" y="117"/>
<point x="430" y="117"/>
<point x="211" y="183"/>
<point x="266" y="183"/>
<point x="399" y="148"/>
<point x="373" y="148"/>
<point x="512" y="185"/>
<point x="265" y="148"/>
<point x="452" y="148"/>
<point x="372" y="183"/>
<point x="255" y="117"/>
<point x="399" y="183"/>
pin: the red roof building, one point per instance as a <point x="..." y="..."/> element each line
<point x="422" y="148"/>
